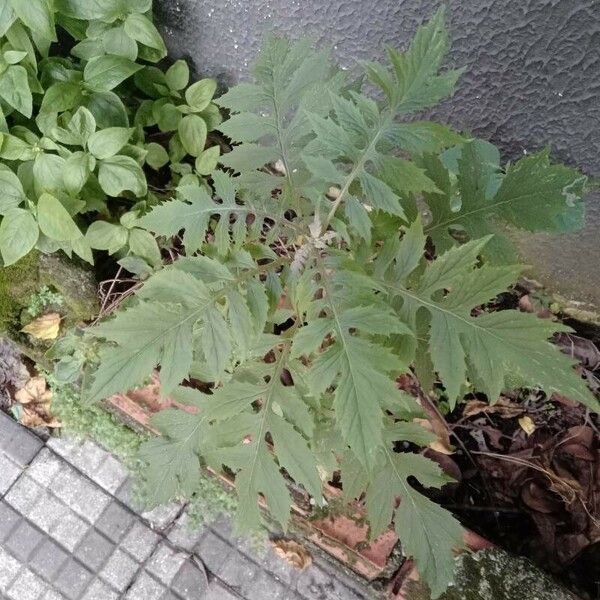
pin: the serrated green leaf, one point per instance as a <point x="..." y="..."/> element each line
<point x="429" y="533"/>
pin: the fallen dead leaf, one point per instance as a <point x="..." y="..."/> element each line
<point x="442" y="443"/>
<point x="36" y="400"/>
<point x="293" y="553"/>
<point x="503" y="408"/>
<point x="45" y="327"/>
<point x="527" y="425"/>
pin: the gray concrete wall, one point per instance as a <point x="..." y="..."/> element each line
<point x="533" y="78"/>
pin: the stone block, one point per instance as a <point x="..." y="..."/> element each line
<point x="73" y="579"/>
<point x="146" y="588"/>
<point x="119" y="571"/>
<point x="48" y="559"/>
<point x="23" y="540"/>
<point x="94" y="550"/>
<point x="27" y="586"/>
<point x="8" y="519"/>
<point x="17" y="442"/>
<point x="140" y="541"/>
<point x="191" y="582"/>
<point x="9" y="472"/>
<point x="115" y="522"/>
<point x="165" y="563"/>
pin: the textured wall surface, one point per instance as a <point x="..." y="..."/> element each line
<point x="533" y="78"/>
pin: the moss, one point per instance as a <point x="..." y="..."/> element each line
<point x="87" y="420"/>
<point x="17" y="284"/>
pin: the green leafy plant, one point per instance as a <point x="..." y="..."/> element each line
<point x="77" y="131"/>
<point x="309" y="288"/>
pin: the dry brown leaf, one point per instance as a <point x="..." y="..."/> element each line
<point x="45" y="327"/>
<point x="442" y="443"/>
<point x="293" y="553"/>
<point x="36" y="400"/>
<point x="503" y="408"/>
<point x="527" y="425"/>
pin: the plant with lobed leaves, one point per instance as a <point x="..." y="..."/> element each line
<point x="305" y="293"/>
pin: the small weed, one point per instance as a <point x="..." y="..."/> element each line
<point x="42" y="299"/>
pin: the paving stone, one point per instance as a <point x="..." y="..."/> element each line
<point x="99" y="591"/>
<point x="265" y="587"/>
<point x="70" y="530"/>
<point x="94" y="550"/>
<point x="17" y="442"/>
<point x="190" y="582"/>
<point x="110" y="475"/>
<point x="8" y="519"/>
<point x="145" y="588"/>
<point x="140" y="541"/>
<point x="278" y="567"/>
<point x="86" y="499"/>
<point x="45" y="467"/>
<point x="9" y="472"/>
<point x="120" y="570"/>
<point x="165" y="563"/>
<point x="47" y="512"/>
<point x="27" y="586"/>
<point x="52" y="595"/>
<point x="168" y="595"/>
<point x="23" y="540"/>
<point x="239" y="573"/>
<point x="217" y="592"/>
<point x="222" y="526"/>
<point x="162" y="516"/>
<point x="183" y="535"/>
<point x="115" y="522"/>
<point x="315" y="584"/>
<point x="23" y="494"/>
<point x="214" y="552"/>
<point x="126" y="494"/>
<point x="63" y="446"/>
<point x="87" y="456"/>
<point x="73" y="579"/>
<point x="48" y="559"/>
<point x="9" y="567"/>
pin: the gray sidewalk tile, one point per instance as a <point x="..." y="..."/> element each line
<point x="94" y="550"/>
<point x="9" y="568"/>
<point x="9" y="472"/>
<point x="115" y="522"/>
<point x="48" y="559"/>
<point x="140" y="541"/>
<point x="146" y="588"/>
<point x="165" y="563"/>
<point x="73" y="580"/>
<point x="69" y="531"/>
<point x="190" y="582"/>
<point x="217" y="592"/>
<point x="27" y="586"/>
<point x="17" y="442"/>
<point x="119" y="571"/>
<point x="8" y="520"/>
<point x="23" y="540"/>
<point x="100" y="591"/>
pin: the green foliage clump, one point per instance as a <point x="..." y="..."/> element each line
<point x="93" y="421"/>
<point x="307" y="290"/>
<point x="43" y="298"/>
<point x="79" y="129"/>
